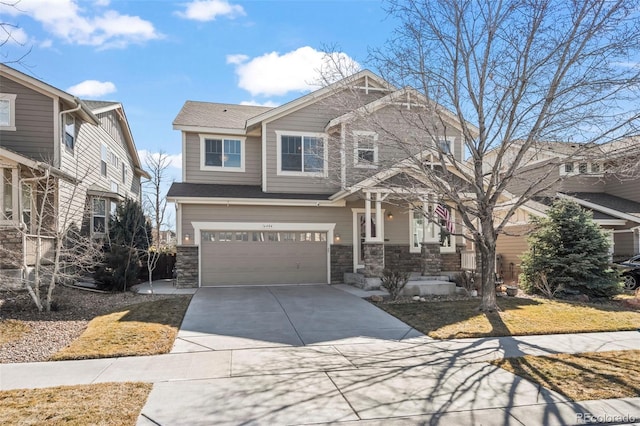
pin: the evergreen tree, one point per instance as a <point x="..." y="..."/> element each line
<point x="129" y="238"/>
<point x="569" y="250"/>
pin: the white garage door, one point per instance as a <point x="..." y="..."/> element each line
<point x="260" y="257"/>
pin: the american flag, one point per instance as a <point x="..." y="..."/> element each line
<point x="444" y="213"/>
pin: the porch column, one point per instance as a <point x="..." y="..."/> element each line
<point x="367" y="216"/>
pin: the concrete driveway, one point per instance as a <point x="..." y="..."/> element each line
<point x="224" y="318"/>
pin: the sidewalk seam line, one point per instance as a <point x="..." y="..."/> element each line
<point x="343" y="396"/>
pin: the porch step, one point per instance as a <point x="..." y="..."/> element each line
<point x="429" y="288"/>
<point x="418" y="285"/>
<point x="415" y="276"/>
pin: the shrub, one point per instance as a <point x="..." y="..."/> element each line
<point x="466" y="280"/>
<point x="393" y="280"/>
<point x="570" y="251"/>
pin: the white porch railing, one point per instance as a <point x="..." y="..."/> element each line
<point x="47" y="249"/>
<point x="468" y="260"/>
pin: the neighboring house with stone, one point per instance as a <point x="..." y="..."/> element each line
<point x="304" y="192"/>
<point x="63" y="162"/>
<point x="603" y="179"/>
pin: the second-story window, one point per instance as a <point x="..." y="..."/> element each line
<point x="301" y="153"/>
<point x="7" y="112"/>
<point x="444" y="145"/>
<point x="69" y="132"/>
<point x="222" y="153"/>
<point x="104" y="154"/>
<point x="124" y="173"/>
<point x="365" y="145"/>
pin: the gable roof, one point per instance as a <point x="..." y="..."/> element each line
<point x="100" y="107"/>
<point x="211" y="115"/>
<point x="606" y="203"/>
<point x="377" y="83"/>
<point x="53" y="92"/>
<point x="403" y="96"/>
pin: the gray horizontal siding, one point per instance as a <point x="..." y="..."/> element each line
<point x="583" y="184"/>
<point x="396" y="230"/>
<point x="34" y="135"/>
<point x="629" y="189"/>
<point x="623" y="245"/>
<point x="312" y="118"/>
<point x="253" y="164"/>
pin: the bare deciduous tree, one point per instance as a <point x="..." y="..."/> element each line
<point x="155" y="203"/>
<point x="513" y="76"/>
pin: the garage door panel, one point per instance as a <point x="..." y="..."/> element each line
<point x="268" y="261"/>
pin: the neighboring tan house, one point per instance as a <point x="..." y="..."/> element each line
<point x="63" y="162"/>
<point x="602" y="179"/>
<point x="304" y="192"/>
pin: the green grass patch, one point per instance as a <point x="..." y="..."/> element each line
<point x="581" y="377"/>
<point x="97" y="404"/>
<point x="148" y="328"/>
<point x="12" y="330"/>
<point x="518" y="317"/>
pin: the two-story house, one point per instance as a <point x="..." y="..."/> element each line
<point x="63" y="161"/>
<point x="600" y="178"/>
<point x="310" y="190"/>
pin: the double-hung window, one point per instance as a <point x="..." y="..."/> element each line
<point x="27" y="206"/>
<point x="99" y="216"/>
<point x="301" y="153"/>
<point x="104" y="154"/>
<point x="219" y="153"/>
<point x="69" y="132"/>
<point x="8" y="199"/>
<point x="365" y="149"/>
<point x="7" y="112"/>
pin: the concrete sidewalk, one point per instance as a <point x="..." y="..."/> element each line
<point x="319" y="357"/>
<point x="413" y="381"/>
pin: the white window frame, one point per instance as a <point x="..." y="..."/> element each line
<point x="575" y="168"/>
<point x="115" y="188"/>
<point x="105" y="216"/>
<point x="104" y="159"/>
<point x="15" y="204"/>
<point x="357" y="136"/>
<point x="30" y="207"/>
<point x="69" y="121"/>
<point x="114" y="160"/>
<point x="223" y="168"/>
<point x="11" y="99"/>
<point x="433" y="231"/>
<point x="428" y="226"/>
<point x="325" y="152"/>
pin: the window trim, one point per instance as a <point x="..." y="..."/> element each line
<point x="15" y="203"/>
<point x="72" y="119"/>
<point x="104" y="159"/>
<point x="428" y="227"/>
<point x="450" y="143"/>
<point x="11" y="127"/>
<point x="223" y="138"/>
<point x="325" y="153"/>
<point x="356" y="149"/>
<point x="105" y="216"/>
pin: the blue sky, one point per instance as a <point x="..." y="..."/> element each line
<point x="153" y="55"/>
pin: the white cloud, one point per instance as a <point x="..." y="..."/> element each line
<point x="175" y="160"/>
<point x="67" y="20"/>
<point x="16" y="36"/>
<point x="236" y="59"/>
<point x="302" y="70"/>
<point x="209" y="10"/>
<point x="256" y="103"/>
<point x="92" y="89"/>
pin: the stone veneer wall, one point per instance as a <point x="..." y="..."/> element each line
<point x="10" y="249"/>
<point x="373" y="259"/>
<point x="341" y="262"/>
<point x="452" y="261"/>
<point x="431" y="259"/>
<point x="401" y="256"/>
<point x="187" y="266"/>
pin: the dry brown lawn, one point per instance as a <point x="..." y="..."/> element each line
<point x="581" y="377"/>
<point x="97" y="404"/>
<point x="148" y="328"/>
<point x="12" y="330"/>
<point x="518" y="316"/>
